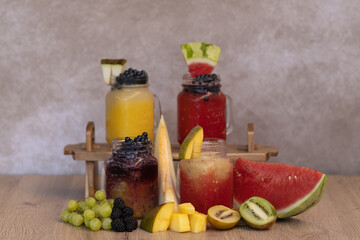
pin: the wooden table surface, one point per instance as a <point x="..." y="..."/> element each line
<point x="31" y="206"/>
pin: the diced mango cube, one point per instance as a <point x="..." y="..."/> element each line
<point x="179" y="222"/>
<point x="186" y="208"/>
<point x="198" y="222"/>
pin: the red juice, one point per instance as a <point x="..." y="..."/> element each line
<point x="203" y="105"/>
<point x="206" y="182"/>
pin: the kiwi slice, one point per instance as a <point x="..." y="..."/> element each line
<point x="222" y="217"/>
<point x="258" y="213"/>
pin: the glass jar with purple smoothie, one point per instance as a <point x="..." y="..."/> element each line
<point x="132" y="174"/>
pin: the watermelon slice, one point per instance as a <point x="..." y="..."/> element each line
<point x="292" y="190"/>
<point x="200" y="57"/>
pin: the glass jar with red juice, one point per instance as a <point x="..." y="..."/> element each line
<point x="206" y="179"/>
<point x="201" y="102"/>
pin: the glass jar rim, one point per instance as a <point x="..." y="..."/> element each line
<point x="191" y="82"/>
<point x="187" y="76"/>
<point x="211" y="146"/>
<point x="121" y="86"/>
<point x="212" y="141"/>
<point x="118" y="143"/>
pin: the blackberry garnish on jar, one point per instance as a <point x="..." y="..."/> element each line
<point x="207" y="83"/>
<point x="130" y="77"/>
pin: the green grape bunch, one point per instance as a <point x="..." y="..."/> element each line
<point x="97" y="212"/>
<point x="92" y="212"/>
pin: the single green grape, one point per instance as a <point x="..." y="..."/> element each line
<point x="96" y="210"/>
<point x="87" y="223"/>
<point x="77" y="220"/>
<point x="65" y="215"/>
<point x="105" y="211"/>
<point x="72" y="205"/>
<point x="106" y="223"/>
<point x="85" y="207"/>
<point x="95" y="224"/>
<point x="91" y="202"/>
<point x="81" y="205"/>
<point x="100" y="195"/>
<point x="71" y="216"/>
<point x="111" y="202"/>
<point x="89" y="214"/>
<point x="103" y="202"/>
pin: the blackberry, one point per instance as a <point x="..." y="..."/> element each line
<point x="119" y="203"/>
<point x="116" y="213"/>
<point x="144" y="137"/>
<point x="118" y="225"/>
<point x="127" y="139"/>
<point x="127" y="212"/>
<point x="130" y="224"/>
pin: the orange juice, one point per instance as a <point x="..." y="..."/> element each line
<point x="129" y="107"/>
<point x="129" y="112"/>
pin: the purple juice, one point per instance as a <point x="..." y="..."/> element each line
<point x="132" y="174"/>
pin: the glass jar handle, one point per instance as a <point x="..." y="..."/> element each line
<point x="229" y="120"/>
<point x="157" y="111"/>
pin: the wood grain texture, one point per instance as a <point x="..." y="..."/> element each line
<point x="31" y="208"/>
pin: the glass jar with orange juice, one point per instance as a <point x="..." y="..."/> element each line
<point x="130" y="106"/>
<point x="207" y="179"/>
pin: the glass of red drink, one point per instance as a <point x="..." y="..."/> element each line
<point x="201" y="102"/>
<point x="207" y="180"/>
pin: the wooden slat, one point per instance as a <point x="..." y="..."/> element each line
<point x="91" y="151"/>
<point x="102" y="151"/>
<point x="251" y="138"/>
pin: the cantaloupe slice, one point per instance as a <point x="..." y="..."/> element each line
<point x="167" y="177"/>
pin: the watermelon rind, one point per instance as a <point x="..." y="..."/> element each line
<point x="201" y="52"/>
<point x="306" y="202"/>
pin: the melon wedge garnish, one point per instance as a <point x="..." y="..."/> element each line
<point x="111" y="68"/>
<point x="166" y="175"/>
<point x="191" y="146"/>
<point x="200" y="57"/>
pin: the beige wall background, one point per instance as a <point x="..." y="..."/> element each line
<point x="291" y="67"/>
